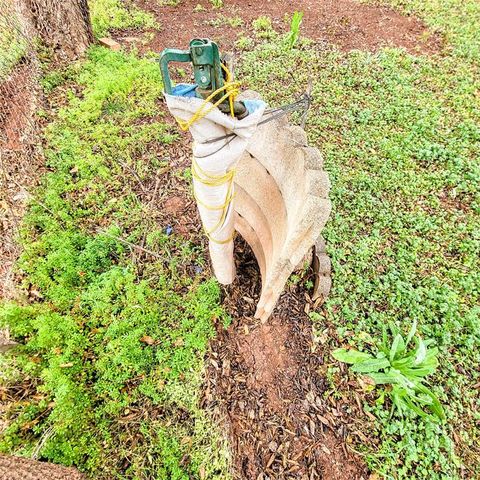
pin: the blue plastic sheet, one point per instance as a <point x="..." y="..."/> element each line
<point x="188" y="90"/>
<point x="184" y="90"/>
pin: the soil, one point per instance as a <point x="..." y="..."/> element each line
<point x="264" y="353"/>
<point x="348" y="24"/>
<point x="267" y="383"/>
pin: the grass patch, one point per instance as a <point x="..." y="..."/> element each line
<point x="13" y="45"/>
<point x="109" y="15"/>
<point x="112" y="352"/>
<point x="400" y="136"/>
<point x="226" y="22"/>
<point x="263" y="28"/>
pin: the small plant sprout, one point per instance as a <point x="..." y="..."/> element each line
<point x="244" y="43"/>
<point x="294" y="32"/>
<point x="263" y="27"/>
<point x="181" y="72"/>
<point x="217" y="3"/>
<point x="223" y="21"/>
<point x="169" y="3"/>
<point x="401" y="367"/>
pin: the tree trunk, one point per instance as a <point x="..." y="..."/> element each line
<point x="63" y="25"/>
<point x="19" y="468"/>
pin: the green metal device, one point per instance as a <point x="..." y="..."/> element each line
<point x="209" y="75"/>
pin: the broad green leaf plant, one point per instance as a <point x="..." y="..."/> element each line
<point x="403" y="365"/>
<point x="294" y="32"/>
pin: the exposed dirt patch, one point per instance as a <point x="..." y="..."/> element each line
<point x="268" y="384"/>
<point x="174" y="205"/>
<point x="269" y="364"/>
<point x="348" y="24"/>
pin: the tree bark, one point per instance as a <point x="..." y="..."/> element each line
<point x="19" y="468"/>
<point x="63" y="25"/>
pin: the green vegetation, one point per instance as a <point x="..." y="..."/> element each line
<point x="199" y="8"/>
<point x="293" y="34"/>
<point x="263" y="27"/>
<point x="113" y="14"/>
<point x="224" y="21"/>
<point x="400" y="135"/>
<point x="170" y="3"/>
<point x="456" y="20"/>
<point x="13" y="45"/>
<point x="401" y="368"/>
<point x="113" y="349"/>
<point x="217" y="3"/>
<point x="243" y="42"/>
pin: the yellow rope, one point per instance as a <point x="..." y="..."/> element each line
<point x="231" y="90"/>
<point x="234" y="89"/>
<point x="222" y="242"/>
<point x="209" y="179"/>
<point x="214" y="207"/>
<point x="215" y="181"/>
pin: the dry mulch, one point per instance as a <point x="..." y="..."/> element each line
<point x="348" y="24"/>
<point x="267" y="384"/>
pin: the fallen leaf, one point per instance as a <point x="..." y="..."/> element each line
<point x="325" y="449"/>
<point x="148" y="340"/>
<point x="323" y="420"/>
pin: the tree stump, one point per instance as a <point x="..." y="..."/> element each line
<point x="20" y="468"/>
<point x="62" y="25"/>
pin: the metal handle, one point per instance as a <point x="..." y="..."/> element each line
<point x="171" y="55"/>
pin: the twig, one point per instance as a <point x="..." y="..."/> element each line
<point x="308" y="93"/>
<point x="130" y="244"/>
<point x="154" y="196"/>
<point x="49" y="432"/>
<point x="134" y="173"/>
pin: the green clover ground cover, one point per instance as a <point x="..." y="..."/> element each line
<point x="114" y="357"/>
<point x="13" y="46"/>
<point x="401" y="139"/>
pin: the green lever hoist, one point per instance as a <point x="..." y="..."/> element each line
<point x="210" y="72"/>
